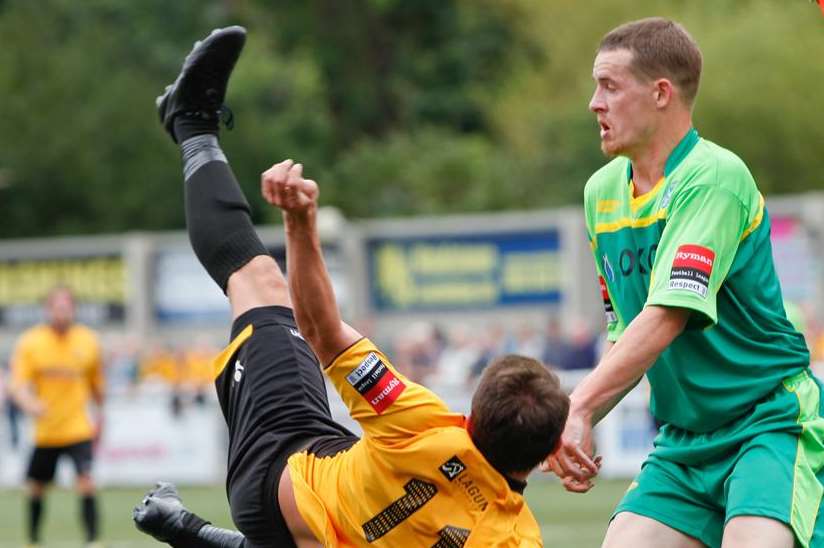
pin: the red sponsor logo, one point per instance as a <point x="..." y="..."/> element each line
<point x="604" y="292"/>
<point x="695" y="257"/>
<point x="385" y="392"/>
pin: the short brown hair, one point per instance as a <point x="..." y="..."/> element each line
<point x="660" y="48"/>
<point x="518" y="413"/>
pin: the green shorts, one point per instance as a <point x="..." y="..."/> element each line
<point x="768" y="463"/>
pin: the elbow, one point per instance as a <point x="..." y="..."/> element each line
<point x="671" y="321"/>
<point x="678" y="319"/>
<point x="311" y="333"/>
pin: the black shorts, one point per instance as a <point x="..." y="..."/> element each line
<point x="44" y="460"/>
<point x="273" y="397"/>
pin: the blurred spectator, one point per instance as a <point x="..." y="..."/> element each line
<point x="11" y="411"/>
<point x="162" y="366"/>
<point x="529" y="342"/>
<point x="456" y="359"/>
<point x="417" y="351"/>
<point x="494" y="344"/>
<point x="159" y="364"/>
<point x="197" y="374"/>
<point x="580" y="352"/>
<point x="123" y="365"/>
<point x="555" y="347"/>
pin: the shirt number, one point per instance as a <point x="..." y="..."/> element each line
<point x="418" y="493"/>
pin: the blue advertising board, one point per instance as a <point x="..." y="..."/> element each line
<point x="184" y="294"/>
<point x="464" y="271"/>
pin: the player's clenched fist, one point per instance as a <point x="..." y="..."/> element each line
<point x="283" y="185"/>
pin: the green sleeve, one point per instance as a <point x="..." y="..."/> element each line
<point x="705" y="224"/>
<point x="614" y="324"/>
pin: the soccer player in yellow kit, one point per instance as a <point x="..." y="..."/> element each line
<point x="421" y="475"/>
<point x="56" y="372"/>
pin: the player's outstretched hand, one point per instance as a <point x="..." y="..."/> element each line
<point x="572" y="461"/>
<point x="283" y="185"/>
<point x="162" y="515"/>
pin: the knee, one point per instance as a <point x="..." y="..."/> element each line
<point x="621" y="531"/>
<point x="85" y="485"/>
<point x="757" y="531"/>
<point x="36" y="489"/>
<point x="628" y="530"/>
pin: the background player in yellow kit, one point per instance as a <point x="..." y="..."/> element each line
<point x="421" y="475"/>
<point x="56" y="372"/>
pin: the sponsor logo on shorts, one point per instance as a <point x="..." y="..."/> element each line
<point x="296" y="333"/>
<point x="452" y="468"/>
<point x="608" y="309"/>
<point x="691" y="269"/>
<point x="376" y="383"/>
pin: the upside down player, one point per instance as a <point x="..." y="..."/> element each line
<point x="681" y="239"/>
<point x="421" y="475"/>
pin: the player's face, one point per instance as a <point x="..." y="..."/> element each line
<point x="624" y="105"/>
<point x="60" y="309"/>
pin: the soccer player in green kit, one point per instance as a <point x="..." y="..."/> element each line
<point x="681" y="242"/>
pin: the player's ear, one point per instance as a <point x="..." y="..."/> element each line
<point x="663" y="91"/>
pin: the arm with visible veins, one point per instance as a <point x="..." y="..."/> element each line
<point x="316" y="309"/>
<point x="622" y="366"/>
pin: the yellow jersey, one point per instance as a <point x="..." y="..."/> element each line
<point x="62" y="369"/>
<point x="414" y="479"/>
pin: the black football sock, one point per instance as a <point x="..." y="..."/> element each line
<point x="188" y="126"/>
<point x="215" y="537"/>
<point x="196" y="532"/>
<point x="217" y="214"/>
<point x="35" y="513"/>
<point x="88" y="505"/>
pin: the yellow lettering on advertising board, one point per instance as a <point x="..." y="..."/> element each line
<point x="453" y="259"/>
<point x="93" y="279"/>
<point x="460" y="274"/>
<point x="530" y="273"/>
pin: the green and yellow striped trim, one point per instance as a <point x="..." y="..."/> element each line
<point x="809" y="458"/>
<point x="629" y="222"/>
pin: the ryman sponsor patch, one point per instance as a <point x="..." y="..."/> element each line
<point x="691" y="269"/>
<point x="376" y="383"/>
<point x="608" y="309"/>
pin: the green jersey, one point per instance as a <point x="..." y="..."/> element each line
<point x="699" y="239"/>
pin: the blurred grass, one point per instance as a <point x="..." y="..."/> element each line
<point x="567" y="520"/>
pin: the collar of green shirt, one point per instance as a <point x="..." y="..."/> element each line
<point x="680" y="152"/>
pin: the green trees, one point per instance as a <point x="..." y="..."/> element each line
<point x="397" y="107"/>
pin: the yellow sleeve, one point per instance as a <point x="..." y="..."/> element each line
<point x="384" y="402"/>
<point x="96" y="378"/>
<point x="22" y="363"/>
